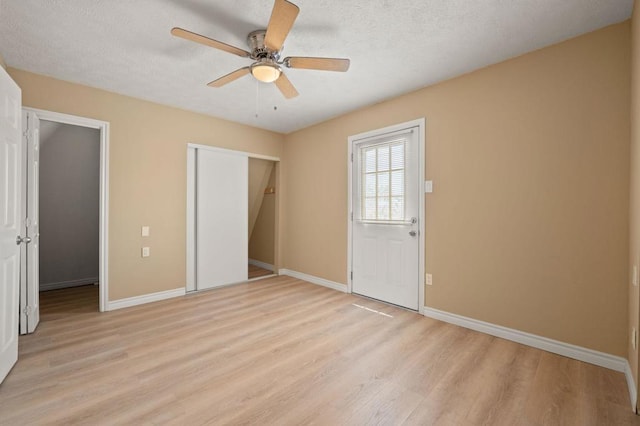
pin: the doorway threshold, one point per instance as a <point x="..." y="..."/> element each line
<point x="262" y="277"/>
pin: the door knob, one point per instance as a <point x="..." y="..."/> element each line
<point x="20" y="239"/>
<point x="413" y="233"/>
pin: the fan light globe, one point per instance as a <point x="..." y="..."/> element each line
<point x="266" y="73"/>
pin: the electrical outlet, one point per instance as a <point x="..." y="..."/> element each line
<point x="146" y="251"/>
<point x="634" y="338"/>
<point x="428" y="279"/>
<point x="634" y="280"/>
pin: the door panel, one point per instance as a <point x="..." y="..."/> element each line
<point x="385" y="232"/>
<point x="29" y="276"/>
<point x="221" y="218"/>
<point x="10" y="156"/>
<point x="33" y="231"/>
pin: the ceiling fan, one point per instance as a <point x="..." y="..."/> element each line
<point x="266" y="47"/>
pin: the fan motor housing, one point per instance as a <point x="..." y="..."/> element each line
<point x="255" y="40"/>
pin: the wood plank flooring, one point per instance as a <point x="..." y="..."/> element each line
<point x="256" y="271"/>
<point x="282" y="351"/>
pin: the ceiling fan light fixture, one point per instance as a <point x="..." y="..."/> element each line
<point x="265" y="72"/>
<point x="265" y="49"/>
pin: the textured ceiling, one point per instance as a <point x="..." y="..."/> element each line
<point x="395" y="47"/>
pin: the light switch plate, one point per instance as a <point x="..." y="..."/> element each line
<point x="428" y="279"/>
<point x="146" y="251"/>
<point x="428" y="186"/>
<point x="145" y="231"/>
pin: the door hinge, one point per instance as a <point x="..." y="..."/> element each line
<point x="352" y="157"/>
<point x="351" y="275"/>
<point x="25" y="133"/>
<point x="351" y="216"/>
<point x="27" y="310"/>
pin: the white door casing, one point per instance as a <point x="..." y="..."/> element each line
<point x="29" y="263"/>
<point x="222" y="238"/>
<point x="103" y="127"/>
<point x="387" y="210"/>
<point x="10" y="192"/>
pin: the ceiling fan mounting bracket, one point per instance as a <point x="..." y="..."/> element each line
<point x="259" y="51"/>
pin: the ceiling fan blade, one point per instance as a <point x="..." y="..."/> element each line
<point x="188" y="35"/>
<point x="232" y="76"/>
<point x="282" y="18"/>
<point x="286" y="87"/>
<point x="323" y="64"/>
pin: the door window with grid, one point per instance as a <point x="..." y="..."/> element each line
<point x="383" y="181"/>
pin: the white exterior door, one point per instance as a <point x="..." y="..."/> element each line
<point x="29" y="264"/>
<point x="10" y="196"/>
<point x="386" y="211"/>
<point x="222" y="235"/>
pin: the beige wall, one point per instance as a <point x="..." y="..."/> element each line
<point x="147" y="167"/>
<point x="528" y="223"/>
<point x="259" y="174"/>
<point x="262" y="241"/>
<point x="634" y="231"/>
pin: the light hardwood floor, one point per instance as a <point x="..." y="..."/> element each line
<point x="281" y="351"/>
<point x="256" y="271"/>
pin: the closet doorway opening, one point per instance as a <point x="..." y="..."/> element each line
<point x="232" y="217"/>
<point x="64" y="205"/>
<point x="262" y="218"/>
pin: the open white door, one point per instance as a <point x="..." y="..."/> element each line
<point x="386" y="214"/>
<point x="29" y="263"/>
<point x="222" y="198"/>
<point x="10" y="196"/>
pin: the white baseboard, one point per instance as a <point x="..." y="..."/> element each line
<point x="631" y="383"/>
<point x="591" y="356"/>
<point x="262" y="265"/>
<point x="145" y="298"/>
<point x="67" y="284"/>
<point x="314" y="280"/>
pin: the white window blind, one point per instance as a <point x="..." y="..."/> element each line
<point x="383" y="181"/>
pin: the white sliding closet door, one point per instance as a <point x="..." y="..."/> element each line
<point x="221" y="218"/>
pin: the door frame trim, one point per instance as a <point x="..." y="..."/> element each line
<point x="352" y="140"/>
<point x="190" y="283"/>
<point x="103" y="127"/>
